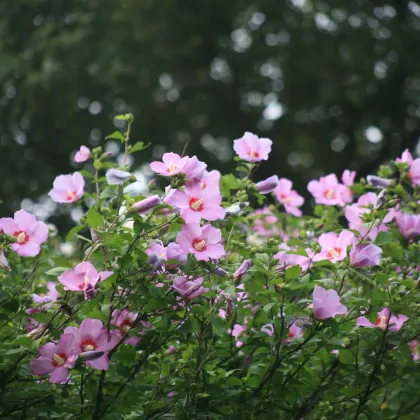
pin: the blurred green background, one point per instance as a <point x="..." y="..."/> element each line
<point x="335" y="84"/>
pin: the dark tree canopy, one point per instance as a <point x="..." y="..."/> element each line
<point x="335" y="85"/>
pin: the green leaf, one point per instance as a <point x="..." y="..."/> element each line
<point x="293" y="272"/>
<point x="56" y="271"/>
<point x="268" y="306"/>
<point x="345" y="356"/>
<point x="383" y="238"/>
<point x="138" y="147"/>
<point x="94" y="219"/>
<point x="73" y="232"/>
<point x="116" y="135"/>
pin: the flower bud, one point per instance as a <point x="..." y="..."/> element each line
<point x="268" y="185"/>
<point x="230" y="306"/>
<point x="37" y="332"/>
<point x="117" y="177"/>
<point x="242" y="270"/>
<point x="94" y="235"/>
<point x="380" y="201"/>
<point x="4" y="264"/>
<point x="376" y="181"/>
<point x="91" y="355"/>
<point x="171" y="350"/>
<point x="156" y="261"/>
<point x="220" y="272"/>
<point x="89" y="291"/>
<point x="233" y="210"/>
<point x="146" y="205"/>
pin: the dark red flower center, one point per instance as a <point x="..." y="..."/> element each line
<point x="196" y="204"/>
<point x="21" y="237"/>
<point x="199" y="244"/>
<point x="88" y="345"/>
<point x="59" y="359"/>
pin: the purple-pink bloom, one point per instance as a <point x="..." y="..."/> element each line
<point x="194" y="169"/>
<point x="242" y="270"/>
<point x="146" y="206"/>
<point x="333" y="246"/>
<point x="195" y="203"/>
<point x="385" y="319"/>
<point x="252" y="148"/>
<point x="171" y="164"/>
<point x="189" y="288"/>
<point x="365" y="255"/>
<point x="408" y="224"/>
<point x="29" y="233"/>
<point x="211" y="179"/>
<point x="354" y="214"/>
<point x="124" y="320"/>
<point x="326" y="304"/>
<point x="295" y="331"/>
<point x="82" y="155"/>
<point x="414" y="172"/>
<point x="76" y="279"/>
<point x="415" y="349"/>
<point x="288" y="260"/>
<point x="117" y="177"/>
<point x="290" y="199"/>
<point x="56" y="359"/>
<point x="348" y="177"/>
<point x="67" y="188"/>
<point x="328" y="191"/>
<point x="93" y="336"/>
<point x="406" y="157"/>
<point x="268" y="185"/>
<point x="202" y="241"/>
<point x="171" y="350"/>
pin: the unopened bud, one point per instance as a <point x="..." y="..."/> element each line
<point x="233" y="210"/>
<point x="145" y="206"/>
<point x="37" y="332"/>
<point x="230" y="306"/>
<point x="94" y="235"/>
<point x="243" y="269"/>
<point x="91" y="355"/>
<point x="380" y="201"/>
<point x="117" y="177"/>
<point x="4" y="264"/>
<point x="377" y="181"/>
<point x="90" y="291"/>
<point x="220" y="272"/>
<point x="171" y="350"/>
<point x="268" y="185"/>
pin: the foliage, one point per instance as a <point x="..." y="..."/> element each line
<point x="249" y="343"/>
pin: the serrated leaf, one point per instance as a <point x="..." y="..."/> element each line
<point x="73" y="232"/>
<point x="116" y="135"/>
<point x="56" y="271"/>
<point x="293" y="272"/>
<point x="383" y="238"/>
<point x="94" y="219"/>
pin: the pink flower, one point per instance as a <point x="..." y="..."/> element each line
<point x="414" y="172"/>
<point x="409" y="224"/>
<point x="333" y="246"/>
<point x="211" y="179"/>
<point x="290" y="199"/>
<point x="415" y="349"/>
<point x="194" y="169"/>
<point x="365" y="255"/>
<point x="265" y="226"/>
<point x="189" y="289"/>
<point x="124" y="320"/>
<point x="295" y="331"/>
<point x="348" y="177"/>
<point x="56" y="359"/>
<point x="354" y="214"/>
<point x="67" y="188"/>
<point x="202" y="241"/>
<point x="82" y="155"/>
<point x="385" y="318"/>
<point x="92" y="336"/>
<point x="196" y="203"/>
<point x="29" y="233"/>
<point x="252" y="148"/>
<point x="172" y="164"/>
<point x="327" y="191"/>
<point x="82" y="275"/>
<point x="236" y="332"/>
<point x="288" y="260"/>
<point x="268" y="185"/>
<point x="326" y="304"/>
<point x="406" y="157"/>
